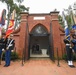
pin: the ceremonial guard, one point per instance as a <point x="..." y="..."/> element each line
<point x="67" y="42"/>
<point x="2" y="45"/>
<point x="69" y="52"/>
<point x="74" y="43"/>
<point x="9" y="47"/>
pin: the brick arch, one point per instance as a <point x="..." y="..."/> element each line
<point x="39" y="24"/>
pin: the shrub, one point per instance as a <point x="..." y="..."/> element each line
<point x="65" y="57"/>
<point x="14" y="56"/>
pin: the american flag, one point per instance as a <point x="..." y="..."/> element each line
<point x="2" y="20"/>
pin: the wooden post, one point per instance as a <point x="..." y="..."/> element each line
<point x="58" y="58"/>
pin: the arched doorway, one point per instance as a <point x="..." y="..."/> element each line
<point x="39" y="42"/>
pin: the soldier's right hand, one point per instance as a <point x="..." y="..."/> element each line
<point x="3" y="50"/>
<point x="7" y="48"/>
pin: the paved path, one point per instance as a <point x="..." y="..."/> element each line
<point x="37" y="67"/>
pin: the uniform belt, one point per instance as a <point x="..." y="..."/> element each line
<point x="68" y="44"/>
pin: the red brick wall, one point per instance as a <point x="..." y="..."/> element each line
<point x="16" y="38"/>
<point x="52" y="19"/>
<point x="33" y="23"/>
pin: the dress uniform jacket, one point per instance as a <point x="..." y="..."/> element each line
<point x="74" y="43"/>
<point x="2" y="45"/>
<point x="9" y="46"/>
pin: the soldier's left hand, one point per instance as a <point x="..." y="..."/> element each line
<point x="12" y="50"/>
<point x="3" y="50"/>
<point x="73" y="50"/>
<point x="7" y="48"/>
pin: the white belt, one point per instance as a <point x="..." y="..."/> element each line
<point x="68" y="44"/>
<point x="10" y="45"/>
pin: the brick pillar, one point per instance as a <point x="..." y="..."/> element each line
<point x="56" y="33"/>
<point x="22" y="37"/>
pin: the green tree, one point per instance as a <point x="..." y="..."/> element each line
<point x="74" y="8"/>
<point x="19" y="8"/>
<point x="11" y="5"/>
<point x="61" y="21"/>
<point x="69" y="17"/>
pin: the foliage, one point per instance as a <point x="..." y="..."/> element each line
<point x="3" y="30"/>
<point x="74" y="56"/>
<point x="11" y="5"/>
<point x="20" y="1"/>
<point x="68" y="18"/>
<point x="60" y="21"/>
<point x="65" y="56"/>
<point x="14" y="56"/>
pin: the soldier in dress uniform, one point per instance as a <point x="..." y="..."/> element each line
<point x="9" y="47"/>
<point x="69" y="52"/>
<point x="2" y="46"/>
<point x="74" y="42"/>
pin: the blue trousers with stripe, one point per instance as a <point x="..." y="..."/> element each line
<point x="0" y="53"/>
<point x="7" y="57"/>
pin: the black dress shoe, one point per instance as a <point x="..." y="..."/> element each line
<point x="72" y="66"/>
<point x="6" y="65"/>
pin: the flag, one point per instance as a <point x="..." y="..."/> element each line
<point x="67" y="31"/>
<point x="74" y="27"/>
<point x="2" y="20"/>
<point x="3" y="17"/>
<point x="11" y="24"/>
<point x="10" y="28"/>
<point x="0" y="30"/>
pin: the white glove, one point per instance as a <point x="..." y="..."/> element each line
<point x="3" y="49"/>
<point x="73" y="50"/>
<point x="12" y="50"/>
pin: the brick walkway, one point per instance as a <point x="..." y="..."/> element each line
<point x="37" y="67"/>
